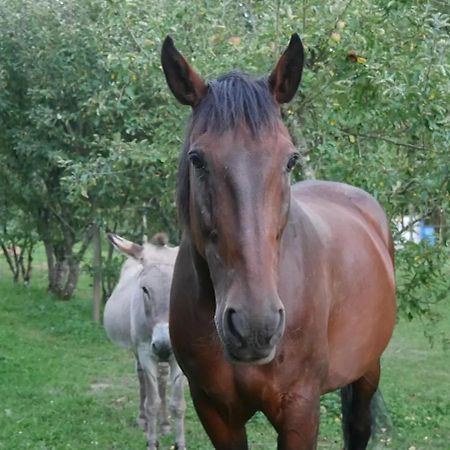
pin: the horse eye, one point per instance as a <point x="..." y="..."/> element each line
<point x="145" y="291"/>
<point x="292" y="162"/>
<point x="197" y="161"/>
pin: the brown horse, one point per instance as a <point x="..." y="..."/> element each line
<point x="279" y="294"/>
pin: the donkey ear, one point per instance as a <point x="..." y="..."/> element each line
<point x="183" y="81"/>
<point x="127" y="247"/>
<point x="284" y="80"/>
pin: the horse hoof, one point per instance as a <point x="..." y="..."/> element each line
<point x="178" y="447"/>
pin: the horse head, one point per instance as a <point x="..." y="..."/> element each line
<point x="234" y="193"/>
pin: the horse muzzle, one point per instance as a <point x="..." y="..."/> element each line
<point x="252" y="338"/>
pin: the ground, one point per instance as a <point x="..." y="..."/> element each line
<point x="63" y="385"/>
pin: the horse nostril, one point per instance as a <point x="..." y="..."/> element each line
<point x="281" y="317"/>
<point x="232" y="322"/>
<point x="278" y="329"/>
<point x="259" y="332"/>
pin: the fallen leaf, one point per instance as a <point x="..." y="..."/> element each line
<point x="234" y="40"/>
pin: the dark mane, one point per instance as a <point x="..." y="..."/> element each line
<point x="232" y="100"/>
<point x="235" y="99"/>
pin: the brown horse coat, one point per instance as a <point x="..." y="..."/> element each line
<point x="279" y="294"/>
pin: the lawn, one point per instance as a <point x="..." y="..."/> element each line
<point x="63" y="385"/>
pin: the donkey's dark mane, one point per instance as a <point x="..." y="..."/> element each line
<point x="232" y="100"/>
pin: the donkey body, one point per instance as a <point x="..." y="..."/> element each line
<point x="136" y="318"/>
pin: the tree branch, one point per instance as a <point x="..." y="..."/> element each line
<point x="382" y="138"/>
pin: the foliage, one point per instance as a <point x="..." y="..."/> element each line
<point x="89" y="132"/>
<point x="420" y="266"/>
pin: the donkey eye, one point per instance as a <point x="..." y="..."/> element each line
<point x="197" y="160"/>
<point x="292" y="162"/>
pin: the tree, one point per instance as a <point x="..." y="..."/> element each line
<point x="60" y="113"/>
<point x="90" y="135"/>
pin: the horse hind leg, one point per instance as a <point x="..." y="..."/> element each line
<point x="357" y="415"/>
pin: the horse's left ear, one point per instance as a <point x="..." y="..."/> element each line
<point x="129" y="248"/>
<point x="284" y="80"/>
<point x="184" y="82"/>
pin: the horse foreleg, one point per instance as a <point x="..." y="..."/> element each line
<point x="141" y="419"/>
<point x="356" y="409"/>
<point x="177" y="403"/>
<point x="297" y="421"/>
<point x="152" y="400"/>
<point x="225" y="433"/>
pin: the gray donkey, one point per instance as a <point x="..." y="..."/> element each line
<point x="136" y="317"/>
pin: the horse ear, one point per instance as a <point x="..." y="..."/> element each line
<point x="284" y="80"/>
<point x="183" y="81"/>
<point x="127" y="247"/>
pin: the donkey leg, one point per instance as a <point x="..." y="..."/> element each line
<point x="356" y="409"/>
<point x="224" y="434"/>
<point x="163" y="374"/>
<point x="152" y="400"/>
<point x="298" y="423"/>
<point x="141" y="419"/>
<point x="177" y="403"/>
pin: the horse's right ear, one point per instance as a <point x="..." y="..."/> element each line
<point x="127" y="247"/>
<point x="187" y="86"/>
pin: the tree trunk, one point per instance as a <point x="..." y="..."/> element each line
<point x="63" y="269"/>
<point x="16" y="255"/>
<point x="73" y="274"/>
<point x="9" y="261"/>
<point x="108" y="279"/>
<point x="51" y="267"/>
<point x="97" y="267"/>
<point x="27" y="267"/>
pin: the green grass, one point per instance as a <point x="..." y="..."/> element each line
<point x="63" y="385"/>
